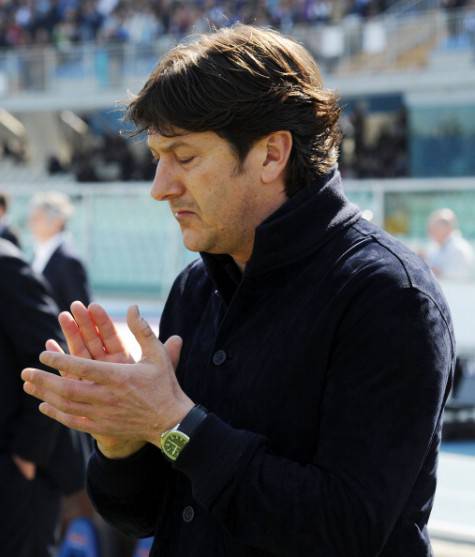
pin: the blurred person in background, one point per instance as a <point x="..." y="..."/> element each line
<point x="6" y="231"/>
<point x="295" y="406"/>
<point x="453" y="257"/>
<point x="67" y="280"/>
<point x="39" y="461"/>
<point x="54" y="258"/>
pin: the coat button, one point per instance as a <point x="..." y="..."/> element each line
<point x="219" y="357"/>
<point x="188" y="513"/>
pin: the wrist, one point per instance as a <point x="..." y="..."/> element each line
<point x="120" y="450"/>
<point x="174" y="441"/>
<point x="175" y="418"/>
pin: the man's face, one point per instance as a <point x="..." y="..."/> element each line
<point x="439" y="231"/>
<point x="42" y="226"/>
<point x="214" y="200"/>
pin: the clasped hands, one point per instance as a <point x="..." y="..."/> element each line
<point x="101" y="390"/>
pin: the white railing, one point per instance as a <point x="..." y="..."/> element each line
<point x="133" y="247"/>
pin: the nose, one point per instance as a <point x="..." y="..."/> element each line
<point x="166" y="184"/>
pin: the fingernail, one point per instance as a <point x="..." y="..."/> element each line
<point x="25" y="375"/>
<point x="29" y="388"/>
<point x="46" y="357"/>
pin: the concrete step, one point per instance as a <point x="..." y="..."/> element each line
<point x="459" y="59"/>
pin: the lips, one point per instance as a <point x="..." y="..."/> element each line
<point x="183" y="214"/>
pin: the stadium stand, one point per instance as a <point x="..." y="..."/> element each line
<point x="62" y="23"/>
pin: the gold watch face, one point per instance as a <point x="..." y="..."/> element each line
<point x="173" y="443"/>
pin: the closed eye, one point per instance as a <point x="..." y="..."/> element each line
<point x="156" y="160"/>
<point x="185" y="161"/>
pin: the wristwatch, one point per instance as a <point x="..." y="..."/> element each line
<point x="173" y="441"/>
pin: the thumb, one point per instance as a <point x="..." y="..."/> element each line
<point x="152" y="348"/>
<point x="173" y="346"/>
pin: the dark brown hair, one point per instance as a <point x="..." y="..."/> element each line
<point x="243" y="83"/>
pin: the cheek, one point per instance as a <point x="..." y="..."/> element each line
<point x="209" y="188"/>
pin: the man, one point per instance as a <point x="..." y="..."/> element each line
<point x="54" y="259"/>
<point x="453" y="259"/>
<point x="38" y="460"/>
<point x="5" y="230"/>
<point x="313" y="353"/>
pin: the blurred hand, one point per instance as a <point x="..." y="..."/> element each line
<point x="27" y="468"/>
<point x="123" y="405"/>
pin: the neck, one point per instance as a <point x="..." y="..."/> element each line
<point x="266" y="208"/>
<point x="46" y="239"/>
<point x="241" y="265"/>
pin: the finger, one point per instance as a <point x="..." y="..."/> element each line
<point x="82" y="368"/>
<point x="88" y="331"/>
<point x="76" y="344"/>
<point x="43" y="385"/>
<point x="112" y="341"/>
<point x="52" y="345"/>
<point x="152" y="348"/>
<point x="80" y="423"/>
<point x="173" y="346"/>
<point x="64" y="404"/>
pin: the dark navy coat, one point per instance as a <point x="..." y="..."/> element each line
<point x="326" y="368"/>
<point x="27" y="320"/>
<point x="67" y="278"/>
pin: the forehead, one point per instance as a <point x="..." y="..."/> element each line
<point x="164" y="143"/>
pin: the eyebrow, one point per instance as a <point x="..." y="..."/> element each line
<point x="170" y="146"/>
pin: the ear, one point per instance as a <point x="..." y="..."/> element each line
<point x="278" y="146"/>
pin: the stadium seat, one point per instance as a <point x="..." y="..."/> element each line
<point x="81" y="540"/>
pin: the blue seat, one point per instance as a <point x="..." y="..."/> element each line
<point x="80" y="540"/>
<point x="143" y="547"/>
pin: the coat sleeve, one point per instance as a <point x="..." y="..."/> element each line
<point x="28" y="319"/>
<point x="133" y="493"/>
<point x="387" y="382"/>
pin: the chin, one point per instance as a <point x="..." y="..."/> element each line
<point x="193" y="242"/>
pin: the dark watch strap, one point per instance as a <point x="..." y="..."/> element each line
<point x="192" y="420"/>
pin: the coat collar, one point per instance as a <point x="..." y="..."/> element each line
<point x="299" y="227"/>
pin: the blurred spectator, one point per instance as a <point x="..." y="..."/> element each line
<point x="54" y="165"/>
<point x="39" y="460"/>
<point x="14" y="150"/>
<point x="111" y="157"/>
<point x="5" y="230"/>
<point x="386" y="156"/>
<point x="54" y="259"/>
<point x="453" y="257"/>
<point x="74" y="21"/>
<point x="451" y="7"/>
